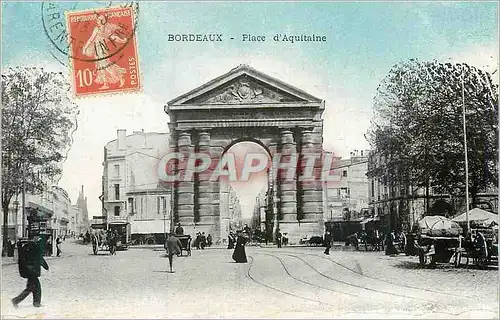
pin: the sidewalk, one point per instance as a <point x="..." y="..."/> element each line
<point x="69" y="249"/>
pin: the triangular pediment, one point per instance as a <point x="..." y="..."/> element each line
<point x="244" y="85"/>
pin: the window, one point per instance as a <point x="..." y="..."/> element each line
<point x="131" y="205"/>
<point x="117" y="191"/>
<point x="344" y="173"/>
<point x="142" y="206"/>
<point x="164" y="205"/>
<point x="117" y="210"/>
<point x="158" y="205"/>
<point x="117" y="170"/>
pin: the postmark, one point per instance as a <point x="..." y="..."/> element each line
<point x="102" y="48"/>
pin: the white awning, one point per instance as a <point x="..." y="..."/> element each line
<point x="150" y="226"/>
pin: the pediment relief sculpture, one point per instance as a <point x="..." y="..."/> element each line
<point x="245" y="91"/>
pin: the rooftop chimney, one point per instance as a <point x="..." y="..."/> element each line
<point x="122" y="136"/>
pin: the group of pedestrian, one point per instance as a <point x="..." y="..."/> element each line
<point x="201" y="241"/>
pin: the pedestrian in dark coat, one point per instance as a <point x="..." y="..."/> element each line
<point x="173" y="246"/>
<point x="239" y="254"/>
<point x="231" y="240"/>
<point x="328" y="242"/>
<point x="30" y="261"/>
<point x="58" y="246"/>
<point x="278" y="238"/>
<point x="179" y="231"/>
<point x="209" y="240"/>
<point x="203" y="241"/>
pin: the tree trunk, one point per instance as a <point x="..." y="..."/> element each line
<point x="427" y="202"/>
<point x="5" y="210"/>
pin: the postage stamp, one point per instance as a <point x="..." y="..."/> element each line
<point x="103" y="51"/>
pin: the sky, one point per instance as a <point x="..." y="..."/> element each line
<point x="364" y="40"/>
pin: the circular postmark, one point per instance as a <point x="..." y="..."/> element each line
<point x="72" y="25"/>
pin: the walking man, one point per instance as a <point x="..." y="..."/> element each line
<point x="58" y="246"/>
<point x="278" y="238"/>
<point x="173" y="246"/>
<point x="30" y="261"/>
<point x="328" y="242"/>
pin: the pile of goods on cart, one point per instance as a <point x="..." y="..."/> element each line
<point x="481" y="242"/>
<point x="437" y="239"/>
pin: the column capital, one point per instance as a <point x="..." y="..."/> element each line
<point x="184" y="138"/>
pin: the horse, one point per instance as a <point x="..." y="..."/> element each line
<point x="374" y="239"/>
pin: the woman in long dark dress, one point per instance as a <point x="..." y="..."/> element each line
<point x="239" y="255"/>
<point x="231" y="239"/>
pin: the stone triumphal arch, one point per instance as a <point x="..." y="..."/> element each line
<point x="245" y="104"/>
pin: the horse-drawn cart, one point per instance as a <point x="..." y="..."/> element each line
<point x="438" y="240"/>
<point x="99" y="243"/>
<point x="433" y="249"/>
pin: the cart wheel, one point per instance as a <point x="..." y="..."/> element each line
<point x="95" y="249"/>
<point x="422" y="259"/>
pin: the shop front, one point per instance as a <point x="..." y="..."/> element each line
<point x="40" y="225"/>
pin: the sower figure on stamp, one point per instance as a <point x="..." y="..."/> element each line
<point x="30" y="261"/>
<point x="106" y="71"/>
<point x="173" y="246"/>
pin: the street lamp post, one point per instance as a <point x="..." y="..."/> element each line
<point x="16" y="208"/>
<point x="465" y="151"/>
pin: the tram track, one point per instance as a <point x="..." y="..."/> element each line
<point x="434" y="303"/>
<point x="471" y="297"/>
<point x="249" y="275"/>
<point x="350" y="284"/>
<point x="305" y="282"/>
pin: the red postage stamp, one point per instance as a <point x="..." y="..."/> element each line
<point x="103" y="51"/>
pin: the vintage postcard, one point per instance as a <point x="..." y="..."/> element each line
<point x="234" y="159"/>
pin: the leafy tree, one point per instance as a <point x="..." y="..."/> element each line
<point x="417" y="127"/>
<point x="38" y="119"/>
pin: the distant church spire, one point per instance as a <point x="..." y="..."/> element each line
<point x="82" y="205"/>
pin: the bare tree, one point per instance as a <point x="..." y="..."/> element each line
<point x="38" y="119"/>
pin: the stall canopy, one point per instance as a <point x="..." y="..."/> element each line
<point x="438" y="226"/>
<point x="477" y="214"/>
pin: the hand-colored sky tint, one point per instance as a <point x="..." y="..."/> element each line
<point x="364" y="40"/>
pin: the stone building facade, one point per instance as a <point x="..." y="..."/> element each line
<point x="399" y="205"/>
<point x="247" y="105"/>
<point x="57" y="215"/>
<point x="132" y="194"/>
<point x="347" y="197"/>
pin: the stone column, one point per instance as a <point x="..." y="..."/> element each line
<point x="312" y="187"/>
<point x="271" y="206"/>
<point x="185" y="189"/>
<point x="287" y="186"/>
<point x="174" y="167"/>
<point x="205" y="189"/>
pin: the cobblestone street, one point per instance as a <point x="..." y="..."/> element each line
<point x="285" y="283"/>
